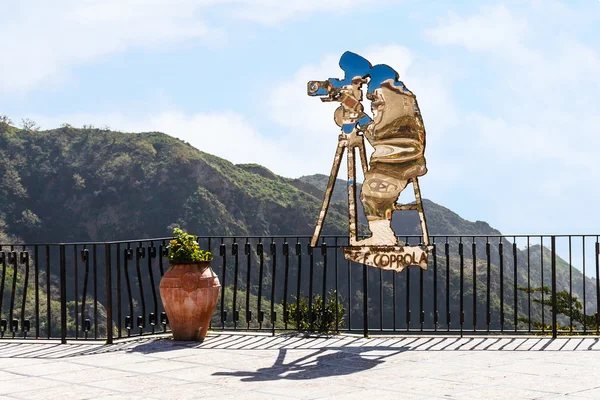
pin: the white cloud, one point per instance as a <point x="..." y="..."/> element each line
<point x="532" y="145"/>
<point x="493" y="28"/>
<point x="44" y="39"/>
<point x="544" y="99"/>
<point x="271" y="11"/>
<point x="41" y="40"/>
<point x="543" y="61"/>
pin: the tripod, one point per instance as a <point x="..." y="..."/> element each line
<point x="348" y="142"/>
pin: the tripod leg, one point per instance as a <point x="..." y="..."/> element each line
<point x="328" y="191"/>
<point x="419" y="202"/>
<point x="352" y="196"/>
<point x="363" y="157"/>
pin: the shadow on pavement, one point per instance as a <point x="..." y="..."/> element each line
<point x="319" y="364"/>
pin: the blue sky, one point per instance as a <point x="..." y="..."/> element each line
<point x="509" y="90"/>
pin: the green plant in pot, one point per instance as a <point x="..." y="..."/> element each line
<point x="189" y="289"/>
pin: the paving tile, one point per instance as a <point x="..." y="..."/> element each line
<point x="571" y="344"/>
<point x="262" y="396"/>
<point x="574" y="359"/>
<point x="430" y="369"/>
<point x="477" y="360"/>
<point x="165" y="354"/>
<point x="592" y="344"/>
<point x="135" y="383"/>
<point x="528" y="344"/>
<point x="402" y="343"/>
<point x="89" y="375"/>
<point x="375" y="393"/>
<point x="546" y="368"/>
<point x="265" y="344"/>
<point x="30" y="383"/>
<point x="214" y="357"/>
<point x="227" y="341"/>
<point x="488" y="376"/>
<point x="72" y="392"/>
<point x="301" y="389"/>
<point x="151" y="366"/>
<point x="466" y="344"/>
<point x="54" y="367"/>
<point x="270" y="364"/>
<point x="187" y="391"/>
<point x="543" y="344"/>
<point x="107" y="360"/>
<point x="592" y="393"/>
<point x="444" y="344"/>
<point x="558" y="386"/>
<point x="288" y="344"/>
<point x="392" y="379"/>
<point x="8" y="376"/>
<point x="59" y="352"/>
<point x="513" y="344"/>
<point x="423" y="344"/>
<point x="21" y="362"/>
<point x="496" y="393"/>
<point x="123" y="396"/>
<point x="216" y="375"/>
<point x="201" y="391"/>
<point x="458" y="344"/>
<point x="436" y="387"/>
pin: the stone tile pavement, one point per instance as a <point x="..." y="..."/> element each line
<point x="253" y="366"/>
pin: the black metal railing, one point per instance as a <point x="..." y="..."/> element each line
<point x="474" y="285"/>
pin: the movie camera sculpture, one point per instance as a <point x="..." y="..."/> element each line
<point x="397" y="135"/>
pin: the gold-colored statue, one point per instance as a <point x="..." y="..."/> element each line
<point x="397" y="135"/>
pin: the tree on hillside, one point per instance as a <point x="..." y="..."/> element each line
<point x="568" y="308"/>
<point x="5" y="122"/>
<point x="29" y="125"/>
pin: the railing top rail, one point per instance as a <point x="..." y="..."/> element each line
<point x="160" y="239"/>
<point x="86" y="243"/>
<point x="545" y="235"/>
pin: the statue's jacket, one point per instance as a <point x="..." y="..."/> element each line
<point x="396" y="132"/>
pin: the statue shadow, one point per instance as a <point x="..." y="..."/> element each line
<point x="325" y="362"/>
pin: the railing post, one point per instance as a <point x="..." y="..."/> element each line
<point x="63" y="296"/>
<point x="365" y="302"/>
<point x="109" y="319"/>
<point x="554" y="321"/>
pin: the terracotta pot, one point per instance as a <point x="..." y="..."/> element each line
<point x="189" y="293"/>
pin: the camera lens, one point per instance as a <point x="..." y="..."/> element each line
<point x="313" y="86"/>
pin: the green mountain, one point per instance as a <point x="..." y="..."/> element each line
<point x="92" y="185"/>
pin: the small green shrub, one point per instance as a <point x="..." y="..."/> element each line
<point x="323" y="315"/>
<point x="184" y="249"/>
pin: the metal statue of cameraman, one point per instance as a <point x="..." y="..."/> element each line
<point x="397" y="135"/>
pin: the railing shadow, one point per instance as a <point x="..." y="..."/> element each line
<point x="352" y="352"/>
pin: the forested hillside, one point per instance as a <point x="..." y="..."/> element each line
<point x="73" y="184"/>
